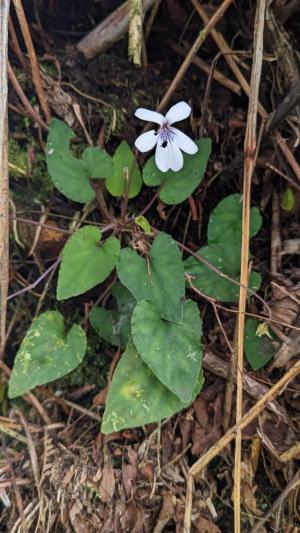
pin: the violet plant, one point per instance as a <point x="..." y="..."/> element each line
<point x="150" y="318"/>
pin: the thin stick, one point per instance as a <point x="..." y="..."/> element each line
<point x="24" y="98"/>
<point x="4" y="193"/>
<point x="295" y="481"/>
<point x="193" y="51"/>
<point x="217" y="448"/>
<point x="249" y="165"/>
<point x="33" y="60"/>
<point x="217" y="75"/>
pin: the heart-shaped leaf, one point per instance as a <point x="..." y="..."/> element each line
<point x="47" y="353"/>
<point x="161" y="279"/>
<point x="259" y="349"/>
<point x="69" y="174"/>
<point x="97" y="162"/>
<point x="227" y="259"/>
<point x="137" y="397"/>
<point x="115" y="325"/>
<point x="86" y="262"/>
<point x="178" y="186"/>
<point x="172" y="351"/>
<point x="116" y="183"/>
<point x="225" y="221"/>
<point x="224" y="251"/>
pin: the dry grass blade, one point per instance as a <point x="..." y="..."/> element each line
<point x="250" y="147"/>
<point x="4" y="195"/>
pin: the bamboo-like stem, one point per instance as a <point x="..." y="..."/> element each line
<point x="135" y="31"/>
<point x="250" y="145"/>
<point x="4" y="192"/>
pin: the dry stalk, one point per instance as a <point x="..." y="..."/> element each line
<point x="250" y="146"/>
<point x="33" y="60"/>
<point x="4" y="193"/>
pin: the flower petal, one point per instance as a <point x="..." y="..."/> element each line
<point x="178" y="112"/>
<point x="184" y="142"/>
<point x="168" y="155"/>
<point x="149" y="116"/>
<point x="146" y="141"/>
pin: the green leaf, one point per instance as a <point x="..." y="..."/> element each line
<point x="102" y="320"/>
<point x="172" y="351"/>
<point x="115" y="325"/>
<point x="227" y="260"/>
<point x="97" y="162"/>
<point x="288" y="200"/>
<point x="224" y="235"/>
<point x="47" y="353"/>
<point x="162" y="280"/>
<point x="259" y="350"/>
<point x="143" y="223"/>
<point x="115" y="184"/>
<point x="178" y="186"/>
<point x="126" y="304"/>
<point x="225" y="221"/>
<point x="137" y="397"/>
<point x="69" y="174"/>
<point x="86" y="262"/>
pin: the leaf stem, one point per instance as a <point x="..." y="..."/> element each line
<point x="97" y="187"/>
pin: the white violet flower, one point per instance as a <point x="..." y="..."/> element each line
<point x="169" y="141"/>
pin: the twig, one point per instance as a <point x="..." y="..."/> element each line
<point x="15" y="45"/>
<point x="256" y="390"/>
<point x="24" y="98"/>
<point x="33" y="60"/>
<point x="217" y="75"/>
<point x="250" y="145"/>
<point x="151" y="18"/>
<point x="4" y="193"/>
<point x="36" y="282"/>
<point x="236" y="311"/>
<point x="97" y="187"/>
<point x="217" y="448"/>
<point x="193" y="51"/>
<point x="295" y="481"/>
<point x="229" y="58"/>
<point x="284" y="108"/>
<point x="108" y="31"/>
